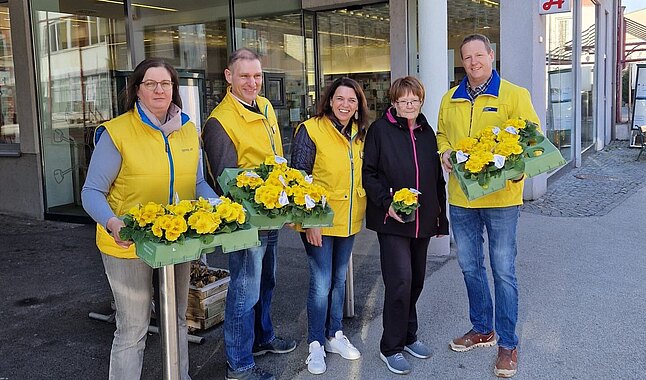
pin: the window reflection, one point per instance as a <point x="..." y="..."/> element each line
<point x="9" y="133"/>
<point x="78" y="57"/>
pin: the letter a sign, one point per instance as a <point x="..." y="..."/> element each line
<point x="553" y="6"/>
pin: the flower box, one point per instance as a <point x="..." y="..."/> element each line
<point x="159" y="254"/>
<point x="549" y="158"/>
<point x="274" y="222"/>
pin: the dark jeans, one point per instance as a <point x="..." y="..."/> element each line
<point x="403" y="268"/>
<point x="246" y="316"/>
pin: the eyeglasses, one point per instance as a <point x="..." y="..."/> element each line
<point x="151" y="85"/>
<point x="414" y="103"/>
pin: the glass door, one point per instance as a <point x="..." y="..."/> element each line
<point x="355" y="42"/>
<point x="77" y="55"/>
<point x="193" y="37"/>
<point x="276" y="32"/>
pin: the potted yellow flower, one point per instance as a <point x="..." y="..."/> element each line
<point x="405" y="203"/>
<point x="176" y="233"/>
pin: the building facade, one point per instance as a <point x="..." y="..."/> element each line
<point x="64" y="63"/>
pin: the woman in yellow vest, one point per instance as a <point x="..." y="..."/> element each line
<point x="330" y="147"/>
<point x="150" y="153"/>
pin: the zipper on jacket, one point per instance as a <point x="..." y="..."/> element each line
<point x="172" y="169"/>
<point x="471" y="118"/>
<point x="351" y="186"/>
<point x="269" y="133"/>
<point x="412" y="140"/>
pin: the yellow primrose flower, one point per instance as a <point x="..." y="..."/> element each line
<point x="507" y="148"/>
<point x="405" y="196"/>
<point x="243" y="179"/>
<point x="466" y="144"/>
<point x="478" y="160"/>
<point x="271" y="161"/>
<point x="203" y="204"/>
<point x="483" y="146"/>
<point x="267" y="195"/>
<point x="487" y="134"/>
<point x="181" y="208"/>
<point x="203" y="222"/>
<point x="505" y="136"/>
<point x="293" y="175"/>
<point x="517" y="123"/>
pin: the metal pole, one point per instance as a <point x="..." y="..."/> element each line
<point x="348" y="304"/>
<point x="168" y="331"/>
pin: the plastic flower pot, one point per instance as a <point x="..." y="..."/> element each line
<point x="407" y="218"/>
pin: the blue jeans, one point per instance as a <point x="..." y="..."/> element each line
<point x="246" y="319"/>
<point x="468" y="229"/>
<point x="328" y="267"/>
<point x="131" y="283"/>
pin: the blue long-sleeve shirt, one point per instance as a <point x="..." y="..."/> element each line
<point x="104" y="168"/>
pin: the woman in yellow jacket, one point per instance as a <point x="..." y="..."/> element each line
<point x="330" y="147"/>
<point x="148" y="154"/>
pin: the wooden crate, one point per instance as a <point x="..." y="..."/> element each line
<point x="206" y="305"/>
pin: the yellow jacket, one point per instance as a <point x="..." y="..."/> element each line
<point x="254" y="136"/>
<point x="153" y="169"/>
<point x="459" y="118"/>
<point x="337" y="167"/>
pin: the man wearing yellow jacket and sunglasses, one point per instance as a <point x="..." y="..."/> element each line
<point x="483" y="100"/>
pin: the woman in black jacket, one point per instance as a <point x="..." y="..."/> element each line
<point x="401" y="152"/>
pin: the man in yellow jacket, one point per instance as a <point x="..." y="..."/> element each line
<point x="241" y="132"/>
<point x="482" y="100"/>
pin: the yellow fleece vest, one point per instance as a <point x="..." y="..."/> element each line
<point x="254" y="136"/>
<point x="146" y="174"/>
<point x="337" y="167"/>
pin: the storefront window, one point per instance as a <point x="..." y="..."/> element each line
<point x="279" y="41"/>
<point x="79" y="60"/>
<point x="192" y="36"/>
<point x="356" y="43"/>
<point x="560" y="82"/>
<point x="466" y="17"/>
<point x="9" y="133"/>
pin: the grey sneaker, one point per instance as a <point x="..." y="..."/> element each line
<point x="396" y="363"/>
<point x="418" y="350"/>
<point x="276" y="346"/>
<point x="254" y="373"/>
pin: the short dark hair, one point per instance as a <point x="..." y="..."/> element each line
<point x="134" y="80"/>
<point x="476" y="37"/>
<point x="240" y="54"/>
<point x="402" y="86"/>
<point x="325" y="109"/>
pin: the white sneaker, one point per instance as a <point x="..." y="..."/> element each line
<point x="339" y="344"/>
<point x="316" y="359"/>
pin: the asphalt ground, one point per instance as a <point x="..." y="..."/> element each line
<point x="580" y="269"/>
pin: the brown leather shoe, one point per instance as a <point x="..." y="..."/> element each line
<point x="471" y="340"/>
<point x="507" y="362"/>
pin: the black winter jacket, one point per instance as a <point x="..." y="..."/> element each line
<point x="396" y="157"/>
